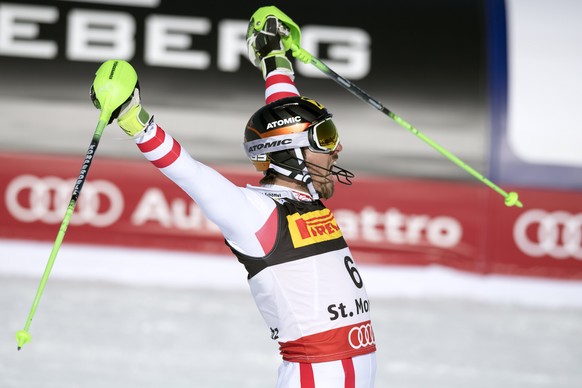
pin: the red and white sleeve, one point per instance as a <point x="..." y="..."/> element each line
<point x="241" y="214"/>
<point x="279" y="85"/>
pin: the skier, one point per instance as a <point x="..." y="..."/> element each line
<point x="301" y="273"/>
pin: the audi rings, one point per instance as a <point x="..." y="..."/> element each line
<point x="557" y="234"/>
<point x="361" y="336"/>
<point x="30" y="198"/>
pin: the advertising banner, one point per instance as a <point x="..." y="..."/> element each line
<point x="386" y="221"/>
<point x="196" y="77"/>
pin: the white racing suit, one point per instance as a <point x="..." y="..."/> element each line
<point x="301" y="273"/>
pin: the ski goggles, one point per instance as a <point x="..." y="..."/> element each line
<point x="323" y="136"/>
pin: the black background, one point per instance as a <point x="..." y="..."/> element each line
<point x="428" y="65"/>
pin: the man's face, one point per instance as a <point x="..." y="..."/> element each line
<point x="319" y="165"/>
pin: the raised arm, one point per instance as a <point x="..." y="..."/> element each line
<point x="238" y="212"/>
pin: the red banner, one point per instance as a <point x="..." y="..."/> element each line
<point x="386" y="221"/>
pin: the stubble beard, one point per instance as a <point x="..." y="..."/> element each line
<point x="325" y="186"/>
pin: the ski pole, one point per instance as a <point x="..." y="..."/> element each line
<point x="511" y="198"/>
<point x="291" y="36"/>
<point x="113" y="85"/>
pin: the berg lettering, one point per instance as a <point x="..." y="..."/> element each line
<point x="287" y="121"/>
<point x="267" y="145"/>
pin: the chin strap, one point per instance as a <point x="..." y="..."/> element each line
<point x="299" y="173"/>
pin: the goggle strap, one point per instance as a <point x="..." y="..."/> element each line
<point x="276" y="143"/>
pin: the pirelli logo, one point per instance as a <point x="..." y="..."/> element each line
<point x="313" y="227"/>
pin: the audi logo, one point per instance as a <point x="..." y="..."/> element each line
<point x="361" y="336"/>
<point x="557" y="234"/>
<point x="30" y="198"/>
